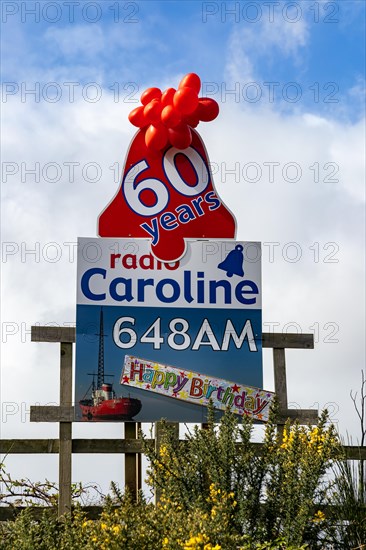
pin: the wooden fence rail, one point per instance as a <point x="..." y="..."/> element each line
<point x="117" y="446"/>
<point x="130" y="445"/>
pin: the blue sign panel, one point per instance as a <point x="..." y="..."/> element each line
<point x="201" y="313"/>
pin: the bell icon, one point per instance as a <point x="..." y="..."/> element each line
<point x="233" y="263"/>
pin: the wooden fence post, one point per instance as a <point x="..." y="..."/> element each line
<point x="65" y="430"/>
<point x="132" y="461"/>
<point x="158" y="437"/>
<point x="280" y="382"/>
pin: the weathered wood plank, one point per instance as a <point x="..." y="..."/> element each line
<point x="303" y="416"/>
<point x="269" y="340"/>
<point x="112" y="446"/>
<point x="131" y="464"/>
<point x="53" y="334"/>
<point x="290" y="340"/>
<point x="49" y="413"/>
<point x="280" y="383"/>
<point x="279" y="367"/>
<point x="79" y="446"/>
<point x="65" y="430"/>
<point x="158" y="440"/>
<point x="138" y="461"/>
<point x="29" y="446"/>
<point x="8" y="513"/>
<point x="66" y="414"/>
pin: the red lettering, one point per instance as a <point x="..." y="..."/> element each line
<point x="114" y="257"/>
<point x="147" y="261"/>
<point x="129" y="261"/>
<point x="150" y="261"/>
<point x="196" y="387"/>
<point x="136" y="368"/>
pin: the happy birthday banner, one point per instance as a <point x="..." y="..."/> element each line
<point x="197" y="388"/>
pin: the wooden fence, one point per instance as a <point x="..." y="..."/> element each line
<point x="130" y="445"/>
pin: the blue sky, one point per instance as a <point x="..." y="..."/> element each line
<point x="309" y="216"/>
<point x="304" y="43"/>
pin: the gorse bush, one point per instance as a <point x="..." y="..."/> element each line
<point x="217" y="493"/>
<point x="233" y="494"/>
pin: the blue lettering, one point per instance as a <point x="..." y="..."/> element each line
<point x="187" y="286"/>
<point x="186" y="213"/>
<point x="141" y="283"/>
<point x="128" y="290"/>
<point x="153" y="230"/>
<point x="200" y="288"/>
<point x="85" y="283"/>
<point x="227" y="291"/>
<point x="211" y="198"/>
<point x="197" y="204"/>
<point x="168" y="221"/>
<point x="240" y="290"/>
<point x="176" y="290"/>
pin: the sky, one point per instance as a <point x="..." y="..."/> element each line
<point x="286" y="153"/>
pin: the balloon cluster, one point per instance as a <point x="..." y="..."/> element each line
<point x="170" y="115"/>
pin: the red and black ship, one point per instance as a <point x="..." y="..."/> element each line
<point x="103" y="404"/>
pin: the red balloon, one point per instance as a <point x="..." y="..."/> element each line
<point x="208" y="109"/>
<point x="185" y="100"/>
<point x="137" y="117"/>
<point x="192" y="120"/>
<point x="180" y="137"/>
<point x="191" y="80"/>
<point x="149" y="94"/>
<point x="152" y="111"/>
<point x="170" y="116"/>
<point x="156" y="137"/>
<point x="167" y="97"/>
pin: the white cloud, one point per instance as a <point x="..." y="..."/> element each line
<point x="269" y="38"/>
<point x="85" y="40"/>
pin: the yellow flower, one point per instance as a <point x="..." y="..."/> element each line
<point x="116" y="529"/>
<point x="163" y="451"/>
<point x="86" y="523"/>
<point x="319" y="516"/>
<point x="194" y="543"/>
<point x="104" y="526"/>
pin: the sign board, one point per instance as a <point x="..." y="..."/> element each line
<point x="201" y="314"/>
<point x="167" y="197"/>
<point x="197" y="388"/>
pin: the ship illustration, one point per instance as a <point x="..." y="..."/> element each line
<point x="103" y="404"/>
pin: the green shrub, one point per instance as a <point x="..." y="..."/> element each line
<point x="217" y="493"/>
<point x="232" y="494"/>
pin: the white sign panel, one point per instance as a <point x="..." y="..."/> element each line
<point x="201" y="313"/>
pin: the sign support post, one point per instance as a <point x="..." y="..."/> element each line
<point x="132" y="462"/>
<point x="65" y="431"/>
<point x="279" y="363"/>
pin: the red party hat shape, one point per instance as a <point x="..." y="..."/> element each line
<point x="167" y="192"/>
